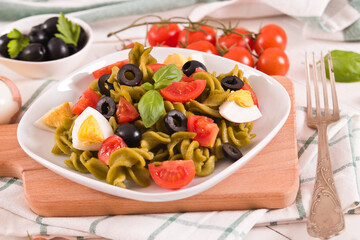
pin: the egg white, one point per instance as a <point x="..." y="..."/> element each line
<point x="231" y="111"/>
<point x="103" y="123"/>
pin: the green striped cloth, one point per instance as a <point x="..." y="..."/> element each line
<point x="344" y="142"/>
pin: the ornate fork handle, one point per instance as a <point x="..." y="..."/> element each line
<point x="325" y="217"/>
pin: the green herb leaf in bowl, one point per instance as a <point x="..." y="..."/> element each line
<point x="69" y="32"/>
<point x="18" y="42"/>
<point x="346" y="66"/>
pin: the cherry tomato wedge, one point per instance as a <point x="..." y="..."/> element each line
<point x="89" y="98"/>
<point x="183" y="91"/>
<point x="160" y="34"/>
<point x="172" y="174"/>
<point x="107" y="69"/>
<point x="126" y="112"/>
<point x="156" y="66"/>
<point x="253" y="95"/>
<point x="108" y="146"/>
<point x="191" y="77"/>
<point x="205" y="128"/>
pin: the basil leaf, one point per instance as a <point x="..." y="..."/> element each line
<point x="168" y="73"/>
<point x="147" y="86"/>
<point x="162" y="84"/>
<point x="151" y="107"/>
<point x="346" y="66"/>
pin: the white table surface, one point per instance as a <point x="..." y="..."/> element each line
<point x="349" y="99"/>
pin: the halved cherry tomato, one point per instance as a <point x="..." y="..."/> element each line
<point x="107" y="69"/>
<point x="187" y="36"/>
<point x="273" y="61"/>
<point x="226" y="41"/>
<point x="203" y="46"/>
<point x="126" y="112"/>
<point x="108" y="146"/>
<point x="172" y="174"/>
<point x="240" y="54"/>
<point x="156" y="66"/>
<point x="183" y="91"/>
<point x="270" y="36"/>
<point x="191" y="77"/>
<point x="205" y="128"/>
<point x="89" y="98"/>
<point x="253" y="95"/>
<point x="163" y="34"/>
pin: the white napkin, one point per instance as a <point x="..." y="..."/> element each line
<point x="344" y="136"/>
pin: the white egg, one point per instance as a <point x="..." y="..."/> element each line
<point x="231" y="111"/>
<point x="10" y="101"/>
<point x="90" y="129"/>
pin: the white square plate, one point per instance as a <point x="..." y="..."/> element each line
<point x="273" y="99"/>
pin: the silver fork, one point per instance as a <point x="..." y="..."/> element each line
<point x="326" y="218"/>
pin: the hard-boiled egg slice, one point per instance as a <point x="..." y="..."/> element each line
<point x="53" y="118"/>
<point x="239" y="107"/>
<point x="90" y="129"/>
<point x="234" y="113"/>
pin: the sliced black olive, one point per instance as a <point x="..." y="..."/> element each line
<point x="33" y="52"/>
<point x="190" y="66"/>
<point x="4" y="40"/>
<point x="232" y="83"/>
<point x="128" y="70"/>
<point x="175" y="121"/>
<point x="130" y="134"/>
<point x="106" y="106"/>
<point x="231" y="152"/>
<point x="103" y="84"/>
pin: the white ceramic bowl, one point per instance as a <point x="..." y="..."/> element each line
<point x="38" y="70"/>
<point x="273" y="99"/>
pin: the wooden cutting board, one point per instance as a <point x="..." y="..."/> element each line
<point x="270" y="180"/>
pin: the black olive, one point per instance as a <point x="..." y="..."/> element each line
<point x="124" y="73"/>
<point x="49" y="26"/>
<point x="82" y="39"/>
<point x="33" y="52"/>
<point x="231" y="152"/>
<point x="38" y="36"/>
<point x="175" y="121"/>
<point x="190" y="66"/>
<point x="4" y="40"/>
<point x="103" y="82"/>
<point x="57" y="48"/>
<point x="232" y="83"/>
<point x="106" y="106"/>
<point x="130" y="134"/>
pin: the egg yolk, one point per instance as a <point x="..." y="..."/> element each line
<point x="242" y="98"/>
<point x="90" y="132"/>
<point x="55" y="117"/>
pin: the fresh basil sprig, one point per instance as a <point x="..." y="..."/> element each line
<point x="346" y="66"/>
<point x="151" y="104"/>
<point x="18" y="42"/>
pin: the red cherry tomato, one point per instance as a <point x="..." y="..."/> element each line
<point x="108" y="146"/>
<point x="226" y="41"/>
<point x="270" y="36"/>
<point x="156" y="66"/>
<point x="128" y="46"/>
<point x="126" y="112"/>
<point x="108" y="69"/>
<point x="160" y="34"/>
<point x="273" y="61"/>
<point x="253" y="95"/>
<point x="89" y="98"/>
<point x="191" y="77"/>
<point x="240" y="54"/>
<point x="187" y="36"/>
<point x="205" y="128"/>
<point x="183" y="91"/>
<point x="172" y="174"/>
<point x="203" y="46"/>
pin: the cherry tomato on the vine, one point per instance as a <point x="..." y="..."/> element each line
<point x="270" y="35"/>
<point x="226" y="41"/>
<point x="163" y="34"/>
<point x="203" y="46"/>
<point x="241" y="55"/>
<point x="187" y="36"/>
<point x="273" y="61"/>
